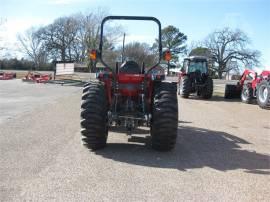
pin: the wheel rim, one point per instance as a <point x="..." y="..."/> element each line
<point x="245" y="94"/>
<point x="181" y="86"/>
<point x="263" y="94"/>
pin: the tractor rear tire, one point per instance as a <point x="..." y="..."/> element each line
<point x="94" y="128"/>
<point x="231" y="91"/>
<point x="164" y="123"/>
<point x="184" y="87"/>
<point x="86" y="86"/>
<point x="207" y="91"/>
<point x="247" y="94"/>
<point x="263" y="94"/>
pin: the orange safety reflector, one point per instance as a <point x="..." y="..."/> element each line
<point x="93" y="54"/>
<point x="167" y="56"/>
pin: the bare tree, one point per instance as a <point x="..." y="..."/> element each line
<point x="227" y="45"/>
<point x="59" y="37"/>
<point x="70" y="38"/>
<point x="33" y="47"/>
<point x="89" y="34"/>
<point x="111" y="34"/>
<point x="140" y="52"/>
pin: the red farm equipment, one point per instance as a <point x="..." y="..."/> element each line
<point x="37" y="77"/>
<point x="129" y="95"/>
<point x="7" y="75"/>
<point x="250" y="86"/>
<point x="194" y="78"/>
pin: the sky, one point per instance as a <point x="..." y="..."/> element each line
<point x="195" y="18"/>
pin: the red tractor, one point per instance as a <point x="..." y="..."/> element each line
<point x="194" y="78"/>
<point x="129" y="95"/>
<point x="250" y="86"/>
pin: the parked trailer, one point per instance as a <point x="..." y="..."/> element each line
<point x="37" y="77"/>
<point x="7" y="75"/>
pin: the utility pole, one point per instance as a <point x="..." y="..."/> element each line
<point x="123" y="48"/>
<point x="168" y="68"/>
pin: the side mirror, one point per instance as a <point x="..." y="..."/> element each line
<point x="167" y="55"/>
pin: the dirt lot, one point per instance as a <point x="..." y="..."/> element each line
<point x="222" y="152"/>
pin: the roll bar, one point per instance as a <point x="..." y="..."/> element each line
<point x="131" y="18"/>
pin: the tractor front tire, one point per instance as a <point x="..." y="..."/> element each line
<point x="164" y="124"/>
<point x="94" y="128"/>
<point x="247" y="94"/>
<point x="207" y="91"/>
<point x="184" y="87"/>
<point x="263" y="94"/>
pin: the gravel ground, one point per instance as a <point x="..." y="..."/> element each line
<point x="222" y="152"/>
<point x="17" y="97"/>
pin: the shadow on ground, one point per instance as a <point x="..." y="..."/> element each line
<point x="141" y="131"/>
<point x="195" y="148"/>
<point x="216" y="98"/>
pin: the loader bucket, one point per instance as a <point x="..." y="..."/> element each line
<point x="232" y="91"/>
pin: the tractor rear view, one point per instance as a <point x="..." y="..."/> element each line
<point x="194" y="78"/>
<point x="128" y="94"/>
<point x="251" y="86"/>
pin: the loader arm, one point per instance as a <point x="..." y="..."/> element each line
<point x="245" y="75"/>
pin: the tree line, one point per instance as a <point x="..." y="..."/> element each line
<point x="66" y="39"/>
<point x="70" y="38"/>
<point x="23" y="64"/>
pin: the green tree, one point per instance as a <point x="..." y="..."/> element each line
<point x="174" y="40"/>
<point x="200" y="51"/>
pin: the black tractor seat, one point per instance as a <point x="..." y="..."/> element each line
<point x="130" y="67"/>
